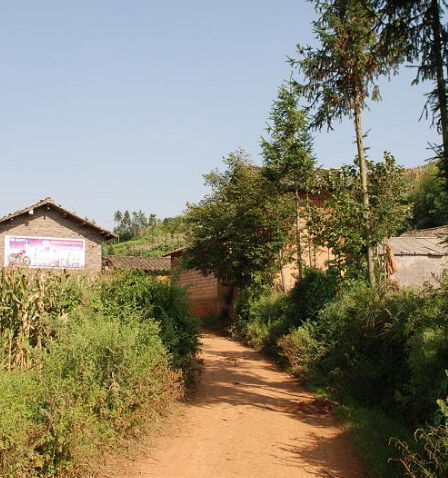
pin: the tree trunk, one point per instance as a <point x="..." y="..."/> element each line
<point x="282" y="272"/>
<point x="298" y="234"/>
<point x="308" y="210"/>
<point x="365" y="193"/>
<point x="441" y="89"/>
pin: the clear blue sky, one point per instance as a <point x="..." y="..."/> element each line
<point x="124" y="104"/>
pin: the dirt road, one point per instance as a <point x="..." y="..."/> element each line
<point x="249" y="420"/>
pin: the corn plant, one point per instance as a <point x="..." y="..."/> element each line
<point x="32" y="306"/>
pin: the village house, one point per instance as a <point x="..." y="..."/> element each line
<point x="415" y="260"/>
<point x="209" y="296"/>
<point x="48" y="236"/>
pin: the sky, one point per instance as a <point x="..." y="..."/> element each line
<point x="125" y="104"/>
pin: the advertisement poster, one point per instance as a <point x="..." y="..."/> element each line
<point x="45" y="252"/>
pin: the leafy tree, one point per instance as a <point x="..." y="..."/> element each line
<point x="237" y="231"/>
<point x="415" y="28"/>
<point x="339" y="228"/>
<point x="118" y="217"/>
<point x="428" y="200"/>
<point x="341" y="75"/>
<point x="288" y="154"/>
<point x="132" y="224"/>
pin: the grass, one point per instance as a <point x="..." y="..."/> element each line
<point x="370" y="431"/>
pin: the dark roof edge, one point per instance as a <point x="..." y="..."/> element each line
<point x="52" y="203"/>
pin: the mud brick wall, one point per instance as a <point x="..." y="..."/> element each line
<point x="50" y="223"/>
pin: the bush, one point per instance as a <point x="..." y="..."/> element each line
<point x="82" y="362"/>
<point x="301" y="351"/>
<point x="311" y="293"/>
<point x="97" y="380"/>
<point x="427" y="343"/>
<point x="363" y="331"/>
<point x="133" y="292"/>
<point x="432" y="460"/>
<point x="261" y="320"/>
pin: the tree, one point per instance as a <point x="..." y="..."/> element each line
<point x="415" y="29"/>
<point x="428" y="200"/>
<point x="341" y="75"/>
<point x="339" y="229"/>
<point x="288" y="155"/>
<point x="237" y="231"/>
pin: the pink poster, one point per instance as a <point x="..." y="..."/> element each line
<point x="44" y="252"/>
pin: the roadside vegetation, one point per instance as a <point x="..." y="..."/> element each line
<point x="83" y="363"/>
<point x="347" y="331"/>
<point x="381" y="353"/>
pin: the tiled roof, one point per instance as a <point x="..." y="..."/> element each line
<point x="418" y="246"/>
<point x="147" y="264"/>
<point x="52" y="204"/>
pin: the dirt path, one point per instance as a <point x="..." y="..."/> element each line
<point x="249" y="420"/>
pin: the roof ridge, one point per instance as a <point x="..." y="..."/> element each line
<point x="50" y="200"/>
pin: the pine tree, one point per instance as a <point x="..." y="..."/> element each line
<point x="341" y="75"/>
<point x="288" y="154"/>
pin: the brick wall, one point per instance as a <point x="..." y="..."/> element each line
<point x="203" y="290"/>
<point x="49" y="223"/>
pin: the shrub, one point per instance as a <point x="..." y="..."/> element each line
<point x="301" y="351"/>
<point x="427" y="343"/>
<point x="261" y="320"/>
<point x="310" y="294"/>
<point x="82" y="362"/>
<point x="432" y="460"/>
<point x="364" y="334"/>
<point x="20" y="397"/>
<point x="97" y="380"/>
<point x="133" y="292"/>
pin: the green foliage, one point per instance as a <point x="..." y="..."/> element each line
<point x="364" y="335"/>
<point x="431" y="458"/>
<point x="417" y="29"/>
<point x="83" y="362"/>
<point x="340" y="75"/>
<point x="301" y="350"/>
<point x="428" y="200"/>
<point x="427" y="356"/>
<point x="97" y="380"/>
<point x="32" y="305"/>
<point x="340" y="228"/>
<point x="152" y="299"/>
<point x="129" y="225"/>
<point x="343" y="72"/>
<point x="288" y="155"/>
<point x="261" y="319"/>
<point x="237" y="231"/>
<point x="156" y="238"/>
<point x="311" y="293"/>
